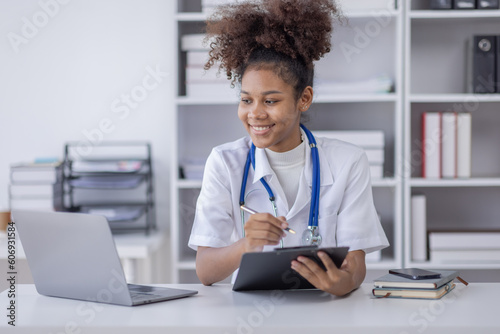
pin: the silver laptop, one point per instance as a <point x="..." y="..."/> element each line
<point x="73" y="255"/>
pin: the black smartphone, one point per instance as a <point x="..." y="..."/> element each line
<point x="415" y="273"/>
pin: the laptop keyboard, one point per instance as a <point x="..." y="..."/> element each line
<point x="138" y="296"/>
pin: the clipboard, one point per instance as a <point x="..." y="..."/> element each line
<point x="272" y="270"/>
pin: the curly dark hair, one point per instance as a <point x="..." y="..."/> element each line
<point x="283" y="35"/>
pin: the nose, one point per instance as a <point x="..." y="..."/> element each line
<point x="256" y="111"/>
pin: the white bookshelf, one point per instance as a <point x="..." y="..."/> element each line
<point x="435" y="80"/>
<point x="191" y="136"/>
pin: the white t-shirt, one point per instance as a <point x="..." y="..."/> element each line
<point x="347" y="215"/>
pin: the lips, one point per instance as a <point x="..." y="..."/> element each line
<point x="261" y="127"/>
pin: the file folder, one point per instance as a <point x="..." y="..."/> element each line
<point x="484" y="62"/>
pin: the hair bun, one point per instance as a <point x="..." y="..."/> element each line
<point x="295" y="28"/>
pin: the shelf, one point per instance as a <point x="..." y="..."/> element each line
<point x="353" y="98"/>
<point x="365" y="14"/>
<point x="345" y="98"/>
<point x="454" y="14"/>
<point x="189" y="184"/>
<point x="455" y="266"/>
<point x="218" y="100"/>
<point x="385" y="182"/>
<point x="454" y="98"/>
<point x="379" y="183"/>
<point x="191" y="17"/>
<point x="472" y="182"/>
<point x="187" y="265"/>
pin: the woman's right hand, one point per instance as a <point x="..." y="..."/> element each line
<point x="263" y="229"/>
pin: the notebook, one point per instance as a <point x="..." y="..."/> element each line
<point x="394" y="281"/>
<point x="73" y="255"/>
<point x="414" y="293"/>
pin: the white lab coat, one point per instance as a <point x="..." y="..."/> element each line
<point x="347" y="215"/>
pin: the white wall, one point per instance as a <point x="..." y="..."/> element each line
<point x="64" y="63"/>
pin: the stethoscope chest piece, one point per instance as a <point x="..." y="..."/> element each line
<point x="311" y="236"/>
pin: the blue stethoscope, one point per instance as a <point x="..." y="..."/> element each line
<point x="311" y="235"/>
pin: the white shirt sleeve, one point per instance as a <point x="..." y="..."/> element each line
<point x="214" y="222"/>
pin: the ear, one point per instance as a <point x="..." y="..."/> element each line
<point x="305" y="99"/>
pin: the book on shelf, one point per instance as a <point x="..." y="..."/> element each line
<point x="414" y="293"/>
<point x="418" y="227"/>
<point x="449" y="145"/>
<point x="431" y="145"/>
<point x="487" y="4"/>
<point x="395" y="281"/>
<point x="446" y="145"/>
<point x="24" y="190"/>
<point x="464" y="4"/>
<point x="373" y="85"/>
<point x="465" y="255"/>
<point x="481" y="65"/>
<point x="36" y="186"/>
<point x="36" y="203"/>
<point x="464" y="240"/>
<point x="364" y="139"/>
<point x="464" y="143"/>
<point x="370" y="141"/>
<point x="36" y="173"/>
<point x="441" y="4"/>
<point x="194" y="42"/>
<point x="358" y="5"/>
<point x="196" y="58"/>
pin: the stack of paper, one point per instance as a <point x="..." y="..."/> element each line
<point x="446" y="145"/>
<point x="199" y="82"/>
<point x="36" y="186"/>
<point x="393" y="286"/>
<point x="362" y="5"/>
<point x="208" y="6"/>
<point x="371" y="141"/>
<point x="373" y="85"/>
<point x="192" y="168"/>
<point x="464" y="247"/>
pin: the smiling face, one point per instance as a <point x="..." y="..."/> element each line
<point x="270" y="111"/>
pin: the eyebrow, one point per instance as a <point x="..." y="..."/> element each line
<point x="269" y="92"/>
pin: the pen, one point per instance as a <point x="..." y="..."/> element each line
<point x="251" y="211"/>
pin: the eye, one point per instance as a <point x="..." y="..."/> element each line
<point x="271" y="102"/>
<point x="245" y="100"/>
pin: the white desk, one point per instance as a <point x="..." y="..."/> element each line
<point x="217" y="309"/>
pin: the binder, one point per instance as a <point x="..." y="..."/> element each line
<point x="449" y="145"/>
<point x="441" y="4"/>
<point x="431" y="145"/>
<point x="497" y="64"/>
<point x="484" y="62"/>
<point x="419" y="227"/>
<point x="464" y="4"/>
<point x="488" y="4"/>
<point x="464" y="143"/>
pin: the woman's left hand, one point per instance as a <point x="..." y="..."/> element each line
<point x="337" y="281"/>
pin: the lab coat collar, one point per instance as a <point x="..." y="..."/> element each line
<point x="263" y="168"/>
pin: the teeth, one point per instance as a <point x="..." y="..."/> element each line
<point x="261" y="128"/>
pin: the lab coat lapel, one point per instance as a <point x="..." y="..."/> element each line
<point x="305" y="183"/>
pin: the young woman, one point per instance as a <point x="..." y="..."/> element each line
<point x="269" y="47"/>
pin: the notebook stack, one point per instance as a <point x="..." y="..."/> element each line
<point x="393" y="286"/>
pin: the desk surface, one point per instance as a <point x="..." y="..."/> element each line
<point x="217" y="309"/>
